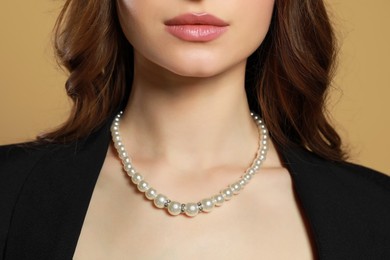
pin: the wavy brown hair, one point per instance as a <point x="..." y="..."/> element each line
<point x="287" y="78"/>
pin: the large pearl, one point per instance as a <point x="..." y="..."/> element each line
<point x="143" y="186"/>
<point x="151" y="194"/>
<point x="174" y="208"/>
<point x="236" y="187"/>
<point x="127" y="167"/>
<point x="191" y="209"/>
<point x="137" y="178"/>
<point x="218" y="200"/>
<point x="160" y="200"/>
<point x="207" y="205"/>
<point x="227" y="193"/>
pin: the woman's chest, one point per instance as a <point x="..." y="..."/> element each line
<point x="146" y="237"/>
<point x="253" y="225"/>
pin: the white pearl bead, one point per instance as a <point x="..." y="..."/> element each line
<point x="247" y="177"/>
<point x="160" y="201"/>
<point x="122" y="150"/>
<point x="118" y="144"/>
<point x="174" y="208"/>
<point x="207" y="205"/>
<point x="143" y="186"/>
<point x="131" y="172"/>
<point x="242" y="182"/>
<point x="218" y="200"/>
<point x="191" y="209"/>
<point x="227" y="193"/>
<point x="136" y="178"/>
<point x="122" y="155"/>
<point x="151" y="194"/>
<point x="236" y="187"/>
<point x="127" y="167"/>
<point x="126" y="160"/>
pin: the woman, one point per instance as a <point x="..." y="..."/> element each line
<point x="186" y="75"/>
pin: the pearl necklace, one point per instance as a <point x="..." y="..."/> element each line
<point x="205" y="205"/>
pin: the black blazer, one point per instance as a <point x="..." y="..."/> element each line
<point x="45" y="192"/>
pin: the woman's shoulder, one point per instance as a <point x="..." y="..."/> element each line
<point x="16" y="162"/>
<point x="16" y="159"/>
<point x="345" y="186"/>
<point x="303" y="162"/>
<point x="347" y="204"/>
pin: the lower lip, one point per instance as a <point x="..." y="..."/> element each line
<point x="196" y="33"/>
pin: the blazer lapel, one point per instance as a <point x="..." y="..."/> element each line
<point x="52" y="205"/>
<point x="340" y="204"/>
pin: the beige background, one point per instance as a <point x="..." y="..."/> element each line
<point x="32" y="97"/>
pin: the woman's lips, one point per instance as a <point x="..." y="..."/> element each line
<point x="196" y="27"/>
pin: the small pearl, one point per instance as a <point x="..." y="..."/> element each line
<point x="143" y="186"/>
<point x="118" y="144"/>
<point x="247" y="177"/>
<point x="242" y="182"/>
<point x="191" y="209"/>
<point x="122" y="155"/>
<point x="151" y="194"/>
<point x="227" y="193"/>
<point x="126" y="160"/>
<point x="218" y="200"/>
<point x="127" y="167"/>
<point x="136" y="178"/>
<point x="122" y="149"/>
<point x="207" y="205"/>
<point x="236" y="187"/>
<point x="131" y="172"/>
<point x="160" y="200"/>
<point x="174" y="208"/>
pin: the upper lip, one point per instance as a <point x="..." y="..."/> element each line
<point x="196" y="19"/>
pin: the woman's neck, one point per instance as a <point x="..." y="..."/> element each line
<point x="189" y="121"/>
